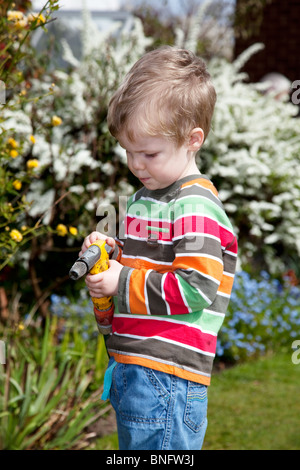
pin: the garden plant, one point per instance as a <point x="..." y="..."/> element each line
<point x="58" y="162"/>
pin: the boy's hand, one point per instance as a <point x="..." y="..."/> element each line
<point x="93" y="237"/>
<point x="104" y="284"/>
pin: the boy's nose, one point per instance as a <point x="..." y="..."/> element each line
<point x="137" y="162"/>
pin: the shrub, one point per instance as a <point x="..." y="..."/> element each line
<point x="16" y="29"/>
<point x="77" y="314"/>
<point x="74" y="163"/>
<point x="263" y="316"/>
<point x="50" y="388"/>
<point x="252" y="155"/>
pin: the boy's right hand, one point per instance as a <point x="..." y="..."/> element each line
<point x="96" y="236"/>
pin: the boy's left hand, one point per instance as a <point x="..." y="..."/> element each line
<point x="106" y="283"/>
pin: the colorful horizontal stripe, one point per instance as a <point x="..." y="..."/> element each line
<point x="179" y="255"/>
<point x="190" y="336"/>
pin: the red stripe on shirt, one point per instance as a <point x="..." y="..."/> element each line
<point x="141" y="228"/>
<point x="188" y="335"/>
<point x="173" y="295"/>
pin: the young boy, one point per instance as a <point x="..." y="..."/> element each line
<point x="172" y="274"/>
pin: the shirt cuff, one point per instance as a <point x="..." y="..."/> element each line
<point x="123" y="290"/>
<point x="116" y="254"/>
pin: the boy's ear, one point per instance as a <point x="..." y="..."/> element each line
<point x="196" y="139"/>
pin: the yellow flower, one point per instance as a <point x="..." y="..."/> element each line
<point x="21" y="326"/>
<point x="32" y="17"/>
<point x="24" y="228"/>
<point x="32" y="139"/>
<point x="73" y="231"/>
<point x="56" y="121"/>
<point x="61" y="230"/>
<point x="13" y="15"/>
<point x="13" y="153"/>
<point x="41" y="19"/>
<point x="17" y="185"/>
<point x="13" y="143"/>
<point x="21" y="24"/>
<point x="16" y="235"/>
<point x="31" y="164"/>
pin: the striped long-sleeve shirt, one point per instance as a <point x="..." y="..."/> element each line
<point x="179" y="255"/>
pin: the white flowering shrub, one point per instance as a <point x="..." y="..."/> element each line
<point x="253" y="156"/>
<point x="75" y="152"/>
<point x="60" y="130"/>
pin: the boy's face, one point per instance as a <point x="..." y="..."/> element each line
<point x="156" y="161"/>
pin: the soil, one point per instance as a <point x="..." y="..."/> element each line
<point x="105" y="425"/>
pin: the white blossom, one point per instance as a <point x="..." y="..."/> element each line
<point x="254" y="151"/>
<point x="107" y="168"/>
<point x="93" y="186"/>
<point x="41" y="201"/>
<point x="121" y="153"/>
<point x="77" y="189"/>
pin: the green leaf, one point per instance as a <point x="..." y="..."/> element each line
<point x="28" y="393"/>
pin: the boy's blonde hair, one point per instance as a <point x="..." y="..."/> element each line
<point x="168" y="92"/>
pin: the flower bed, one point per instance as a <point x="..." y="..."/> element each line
<point x="263" y="315"/>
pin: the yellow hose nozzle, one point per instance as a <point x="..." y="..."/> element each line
<point x="96" y="260"/>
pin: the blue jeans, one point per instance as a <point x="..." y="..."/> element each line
<point x="157" y="411"/>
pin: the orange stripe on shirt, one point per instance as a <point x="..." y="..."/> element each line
<point x="138" y="263"/>
<point x="166" y="368"/>
<point x="204" y="265"/>
<point x="226" y="284"/>
<point x="204" y="183"/>
<point x="137" y="301"/>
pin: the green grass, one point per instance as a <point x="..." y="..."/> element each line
<point x="253" y="406"/>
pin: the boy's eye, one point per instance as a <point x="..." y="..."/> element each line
<point x="150" y="155"/>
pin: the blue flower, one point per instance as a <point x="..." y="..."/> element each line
<point x="265" y="310"/>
